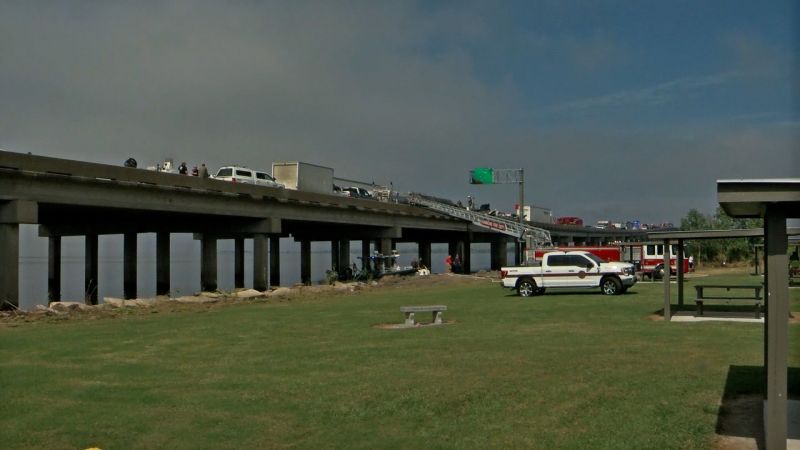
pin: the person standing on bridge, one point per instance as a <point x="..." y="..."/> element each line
<point x="203" y="171"/>
<point x="182" y="169"/>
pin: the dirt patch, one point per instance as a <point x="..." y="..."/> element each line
<point x="223" y="300"/>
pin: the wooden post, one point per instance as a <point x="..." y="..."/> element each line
<point x="679" y="271"/>
<point x="777" y="326"/>
<point x="667" y="295"/>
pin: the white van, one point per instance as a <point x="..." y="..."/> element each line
<point x="245" y="175"/>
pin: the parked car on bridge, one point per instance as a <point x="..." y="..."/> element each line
<point x="238" y="174"/>
<point x="357" y="192"/>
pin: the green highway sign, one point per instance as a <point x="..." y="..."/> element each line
<point x="481" y="175"/>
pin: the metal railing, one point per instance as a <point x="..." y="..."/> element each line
<point x="534" y="236"/>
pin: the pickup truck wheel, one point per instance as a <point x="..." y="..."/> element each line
<point x="611" y="286"/>
<point x="526" y="288"/>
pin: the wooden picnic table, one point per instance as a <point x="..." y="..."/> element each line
<point x="729" y="289"/>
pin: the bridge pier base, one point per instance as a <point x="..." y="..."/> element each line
<point x="90" y="269"/>
<point x="274" y="260"/>
<point x="162" y="263"/>
<point x="260" y="262"/>
<point x="54" y="269"/>
<point x="424" y="253"/>
<point x="517" y="253"/>
<point x="305" y="261"/>
<point x="208" y="263"/>
<point x="499" y="253"/>
<point x="238" y="263"/>
<point x="9" y="261"/>
<point x="129" y="265"/>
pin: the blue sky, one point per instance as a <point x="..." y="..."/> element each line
<point x="616" y="110"/>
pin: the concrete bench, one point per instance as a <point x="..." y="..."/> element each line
<point x="702" y="295"/>
<point x="436" y="310"/>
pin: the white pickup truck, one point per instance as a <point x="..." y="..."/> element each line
<point x="576" y="269"/>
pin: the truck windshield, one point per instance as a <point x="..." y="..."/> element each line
<point x="595" y="258"/>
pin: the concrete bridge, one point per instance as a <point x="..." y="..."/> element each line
<point x="73" y="198"/>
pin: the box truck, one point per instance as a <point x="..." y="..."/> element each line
<point x="304" y="176"/>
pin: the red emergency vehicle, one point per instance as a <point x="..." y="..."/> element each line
<point x="570" y="220"/>
<point x="647" y="257"/>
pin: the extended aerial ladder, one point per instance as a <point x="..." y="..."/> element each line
<point x="534" y="237"/>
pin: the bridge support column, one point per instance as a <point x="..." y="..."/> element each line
<point x="274" y="260"/>
<point x="344" y="255"/>
<point x="335" y="257"/>
<point x="385" y="249"/>
<point x="54" y="269"/>
<point x="305" y="261"/>
<point x="365" y="253"/>
<point x="499" y="252"/>
<point x="260" y="262"/>
<point x="238" y="263"/>
<point x="466" y="256"/>
<point x="162" y="263"/>
<point x="452" y="250"/>
<point x="129" y="258"/>
<point x="208" y="263"/>
<point x="424" y="253"/>
<point x="90" y="269"/>
<point x="9" y="261"/>
<point x="517" y="253"/>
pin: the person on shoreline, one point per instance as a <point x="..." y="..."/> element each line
<point x="448" y="264"/>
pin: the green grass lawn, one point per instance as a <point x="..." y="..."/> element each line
<point x="577" y="370"/>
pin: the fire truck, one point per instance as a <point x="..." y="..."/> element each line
<point x="648" y="258"/>
<point x="570" y="220"/>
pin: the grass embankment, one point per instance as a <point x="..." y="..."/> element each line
<point x="575" y="370"/>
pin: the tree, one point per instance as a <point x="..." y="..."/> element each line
<point x="720" y="249"/>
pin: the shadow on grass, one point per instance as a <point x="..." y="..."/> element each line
<point x="741" y="412"/>
<point x="728" y="310"/>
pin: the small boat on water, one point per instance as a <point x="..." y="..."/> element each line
<point x="380" y="265"/>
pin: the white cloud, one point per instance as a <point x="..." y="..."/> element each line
<point x="648" y="96"/>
